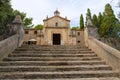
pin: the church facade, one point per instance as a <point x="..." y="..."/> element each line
<point x="56" y="31"/>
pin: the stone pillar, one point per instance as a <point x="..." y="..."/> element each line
<point x="89" y="21"/>
<point x="18" y="28"/>
<point x="86" y="36"/>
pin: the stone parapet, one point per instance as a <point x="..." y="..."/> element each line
<point x="107" y="53"/>
<point x="8" y="45"/>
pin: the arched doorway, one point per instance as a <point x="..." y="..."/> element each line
<point x="56" y="39"/>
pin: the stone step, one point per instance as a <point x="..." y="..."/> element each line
<point x="51" y="63"/>
<point x="53" y="68"/>
<point x="55" y="62"/>
<point x="61" y="75"/>
<point x="52" y="50"/>
<point x="46" y="49"/>
<point x="51" y="55"/>
<point x="51" y="58"/>
<point x="104" y="78"/>
<point x="56" y="52"/>
<point x="58" y="47"/>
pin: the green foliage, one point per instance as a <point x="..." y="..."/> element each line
<point x="116" y="30"/>
<point x="26" y="21"/>
<point x="75" y="28"/>
<point x="108" y="22"/>
<point x="95" y="20"/>
<point x="88" y="14"/>
<point x="81" y="22"/>
<point x="100" y="19"/>
<point x="6" y="15"/>
<point x="39" y="26"/>
<point x="108" y="10"/>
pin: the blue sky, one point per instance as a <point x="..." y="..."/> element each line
<point x="39" y="9"/>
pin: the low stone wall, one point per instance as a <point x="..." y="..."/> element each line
<point x="8" y="45"/>
<point x="107" y="53"/>
<point x="113" y="42"/>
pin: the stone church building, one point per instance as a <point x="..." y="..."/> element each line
<point x="56" y="31"/>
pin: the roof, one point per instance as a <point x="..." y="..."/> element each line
<point x="31" y="29"/>
<point x="32" y="40"/>
<point x="56" y="16"/>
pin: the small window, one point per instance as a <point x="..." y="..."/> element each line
<point x="78" y="41"/>
<point x="26" y="32"/>
<point x="56" y="24"/>
<point x="35" y="32"/>
<point x="78" y="33"/>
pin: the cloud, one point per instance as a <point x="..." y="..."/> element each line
<point x="39" y="9"/>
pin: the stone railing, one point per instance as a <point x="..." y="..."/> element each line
<point x="10" y="44"/>
<point x="107" y="53"/>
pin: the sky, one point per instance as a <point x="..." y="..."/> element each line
<point x="39" y="9"/>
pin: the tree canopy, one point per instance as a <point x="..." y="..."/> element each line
<point x="81" y="22"/>
<point x="39" y="26"/>
<point x="75" y="28"/>
<point x="108" y="22"/>
<point x="100" y="19"/>
<point x="26" y="21"/>
<point x="88" y="14"/>
<point x="95" y="20"/>
<point x="7" y="15"/>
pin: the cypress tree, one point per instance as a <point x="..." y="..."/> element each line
<point x="108" y="23"/>
<point x="100" y="19"/>
<point x="81" y="22"/>
<point x="94" y="20"/>
<point x="88" y="14"/>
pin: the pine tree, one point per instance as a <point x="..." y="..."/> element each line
<point x="108" y="22"/>
<point x="81" y="22"/>
<point x="95" y="20"/>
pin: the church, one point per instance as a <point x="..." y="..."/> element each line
<point x="56" y="31"/>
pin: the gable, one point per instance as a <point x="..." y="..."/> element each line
<point x="56" y="21"/>
<point x="56" y="17"/>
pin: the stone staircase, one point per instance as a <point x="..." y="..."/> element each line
<point x="55" y="63"/>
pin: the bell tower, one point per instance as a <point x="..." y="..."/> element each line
<point x="56" y="13"/>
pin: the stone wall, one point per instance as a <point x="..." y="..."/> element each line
<point x="107" y="53"/>
<point x="30" y="35"/>
<point x="80" y="37"/>
<point x="49" y="35"/>
<point x="8" y="45"/>
<point x="56" y="19"/>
